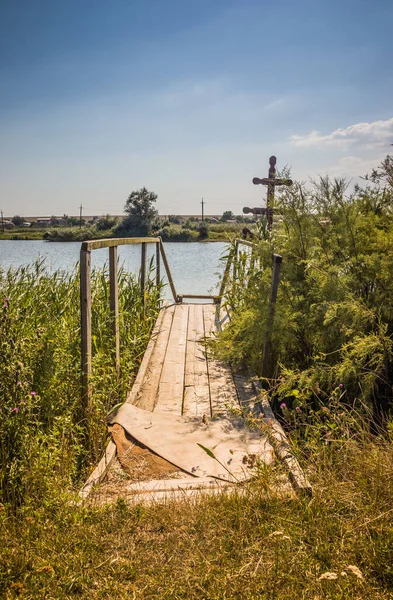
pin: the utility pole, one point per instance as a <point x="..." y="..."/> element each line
<point x="2" y="221"/>
<point x="203" y="204"/>
<point x="80" y="216"/>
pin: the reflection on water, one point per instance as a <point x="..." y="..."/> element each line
<point x="194" y="266"/>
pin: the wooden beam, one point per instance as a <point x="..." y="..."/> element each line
<point x="107" y="243"/>
<point x="158" y="266"/>
<point x="85" y="306"/>
<point x="143" y="273"/>
<point x="114" y="304"/>
<point x="168" y="271"/>
<point x="266" y="358"/>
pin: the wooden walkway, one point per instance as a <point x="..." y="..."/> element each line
<point x="176" y="374"/>
<point x="178" y="377"/>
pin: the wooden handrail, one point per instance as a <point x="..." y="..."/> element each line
<point x="108" y="242"/>
<point x="85" y="297"/>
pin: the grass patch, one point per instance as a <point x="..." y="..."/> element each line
<point x="248" y="546"/>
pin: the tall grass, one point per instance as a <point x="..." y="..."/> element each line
<point x="47" y="442"/>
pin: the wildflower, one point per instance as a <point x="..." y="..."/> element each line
<point x="15" y="410"/>
<point x="19" y="383"/>
<point x="283" y="405"/>
<point x="33" y="394"/>
<point x="298" y="409"/>
<point x="341" y="385"/>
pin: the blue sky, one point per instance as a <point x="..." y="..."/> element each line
<point x="187" y="98"/>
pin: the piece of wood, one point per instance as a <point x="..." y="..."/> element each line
<point x="100" y="471"/>
<point x="281" y="445"/>
<point x="171" y="386"/>
<point x="170" y="485"/>
<point x="222" y="388"/>
<point x="158" y="265"/>
<point x="114" y="304"/>
<point x="85" y="308"/>
<point x="198" y="297"/>
<point x="168" y="271"/>
<point x="144" y="393"/>
<point x="143" y="273"/>
<point x="196" y="401"/>
<point x="266" y="369"/>
<point x="107" y="243"/>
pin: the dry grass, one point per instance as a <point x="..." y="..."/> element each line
<point x="339" y="544"/>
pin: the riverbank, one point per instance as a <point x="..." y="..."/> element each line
<point x="194" y="232"/>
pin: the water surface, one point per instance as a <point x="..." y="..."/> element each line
<point x="195" y="266"/>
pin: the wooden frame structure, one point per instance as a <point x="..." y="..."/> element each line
<point x="85" y="295"/>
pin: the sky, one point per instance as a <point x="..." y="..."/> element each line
<point x="188" y="98"/>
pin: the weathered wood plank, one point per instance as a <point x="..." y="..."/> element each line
<point x="171" y="386"/>
<point x="145" y="390"/>
<point x="222" y="388"/>
<point x="107" y="243"/>
<point x="114" y="304"/>
<point x="100" y="471"/>
<point x="196" y="383"/>
<point x="85" y="307"/>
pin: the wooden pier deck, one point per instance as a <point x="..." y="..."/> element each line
<point x="182" y="399"/>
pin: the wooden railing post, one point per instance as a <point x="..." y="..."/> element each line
<point x="225" y="276"/>
<point x="143" y="273"/>
<point x="85" y="300"/>
<point x="266" y="358"/>
<point x="158" y="269"/>
<point x="168" y="272"/>
<point x="114" y="304"/>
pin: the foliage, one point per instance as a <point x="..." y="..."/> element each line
<point x="227" y="214"/>
<point x="140" y="212"/>
<point x="45" y="438"/>
<point x="105" y="223"/>
<point x="334" y="315"/>
<point x="18" y="221"/>
<point x="203" y="231"/>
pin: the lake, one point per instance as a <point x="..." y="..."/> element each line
<point x="195" y="266"/>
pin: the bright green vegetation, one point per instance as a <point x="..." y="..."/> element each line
<point x="333" y="325"/>
<point x="47" y="442"/>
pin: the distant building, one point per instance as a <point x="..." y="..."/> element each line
<point x="8" y="225"/>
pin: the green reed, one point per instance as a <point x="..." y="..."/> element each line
<point x="45" y="436"/>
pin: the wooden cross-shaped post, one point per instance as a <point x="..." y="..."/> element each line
<point x="271" y="181"/>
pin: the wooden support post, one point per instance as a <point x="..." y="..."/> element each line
<point x="225" y="276"/>
<point x="143" y="273"/>
<point x="85" y="299"/>
<point x="168" y="272"/>
<point x="235" y="261"/>
<point x="158" y="269"/>
<point x="114" y="304"/>
<point x="266" y="358"/>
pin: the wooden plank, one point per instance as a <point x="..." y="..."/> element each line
<point x="144" y="393"/>
<point x="171" y="386"/>
<point x="222" y="388"/>
<point x="168" y="271"/>
<point x="114" y="304"/>
<point x="196" y="381"/>
<point x="107" y="243"/>
<point x="162" y="485"/>
<point x="143" y="273"/>
<point x="100" y="471"/>
<point x="85" y="308"/>
<point x="281" y="446"/>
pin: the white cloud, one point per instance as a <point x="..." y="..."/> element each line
<point x="376" y="134"/>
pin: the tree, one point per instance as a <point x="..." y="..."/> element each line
<point x="228" y="214"/>
<point x="17" y="221"/>
<point x="140" y="212"/>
